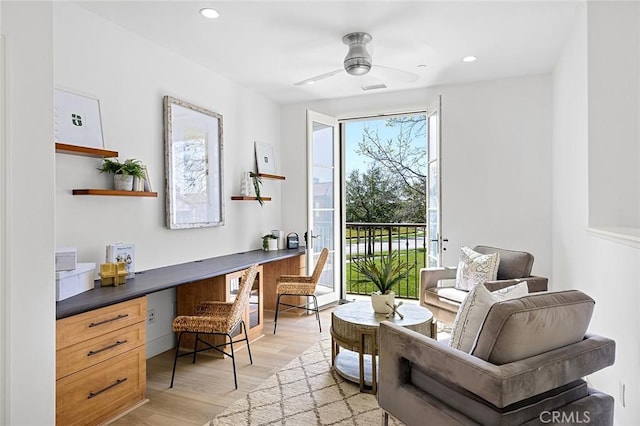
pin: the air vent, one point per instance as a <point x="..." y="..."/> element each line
<point x="374" y="87"/>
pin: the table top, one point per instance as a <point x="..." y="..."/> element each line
<point x="362" y="313"/>
<point x="153" y="280"/>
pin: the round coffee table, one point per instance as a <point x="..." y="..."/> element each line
<point x="354" y="329"/>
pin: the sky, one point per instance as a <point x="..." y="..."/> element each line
<point x="353" y="135"/>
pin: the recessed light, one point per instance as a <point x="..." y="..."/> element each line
<point x="207" y="12"/>
<point x="469" y="59"/>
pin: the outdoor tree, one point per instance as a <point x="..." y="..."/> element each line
<point x="372" y="196"/>
<point x="402" y="160"/>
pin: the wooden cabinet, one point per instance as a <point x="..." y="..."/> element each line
<point x="291" y="266"/>
<point x="100" y="363"/>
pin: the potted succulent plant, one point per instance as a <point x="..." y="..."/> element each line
<point x="383" y="273"/>
<point x="123" y="172"/>
<point x="269" y="242"/>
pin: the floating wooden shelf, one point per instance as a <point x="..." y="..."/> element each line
<point x="84" y="150"/>
<point x="268" y="176"/>
<point x="243" y="198"/>
<point x="113" y="192"/>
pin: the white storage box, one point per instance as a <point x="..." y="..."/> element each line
<point x="70" y="283"/>
<point x="66" y="259"/>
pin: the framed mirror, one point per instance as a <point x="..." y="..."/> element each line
<point x="193" y="165"/>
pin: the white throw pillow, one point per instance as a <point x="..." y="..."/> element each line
<point x="476" y="268"/>
<point x="474" y="309"/>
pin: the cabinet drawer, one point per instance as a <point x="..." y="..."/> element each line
<point x="78" y="328"/>
<point x="90" y="352"/>
<point x="99" y="392"/>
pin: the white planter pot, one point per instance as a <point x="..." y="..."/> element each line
<point x="378" y="301"/>
<point x="273" y="244"/>
<point x="123" y="182"/>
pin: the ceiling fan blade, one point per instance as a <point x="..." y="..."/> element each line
<point x="387" y="73"/>
<point x="318" y="78"/>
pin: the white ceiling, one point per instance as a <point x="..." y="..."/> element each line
<point x="267" y="45"/>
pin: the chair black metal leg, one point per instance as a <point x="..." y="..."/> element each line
<point x="385" y="418"/>
<point x="195" y="349"/>
<point x="175" y="360"/>
<point x="233" y="360"/>
<point x="317" y="312"/>
<point x="275" y="321"/>
<point x="246" y="334"/>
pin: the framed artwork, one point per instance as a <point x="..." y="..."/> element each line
<point x="193" y="154"/>
<point x="264" y="158"/>
<point x="77" y="119"/>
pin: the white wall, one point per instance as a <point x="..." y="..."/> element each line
<point x="613" y="64"/>
<point x="27" y="219"/>
<point x="130" y="76"/>
<point x="496" y="165"/>
<point x="607" y="270"/>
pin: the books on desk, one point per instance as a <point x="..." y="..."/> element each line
<point x="121" y="252"/>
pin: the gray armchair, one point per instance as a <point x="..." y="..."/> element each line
<point x="443" y="300"/>
<point x="527" y="365"/>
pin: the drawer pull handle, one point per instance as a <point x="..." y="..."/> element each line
<point x="120" y="316"/>
<point x="117" y="343"/>
<point x="112" y="385"/>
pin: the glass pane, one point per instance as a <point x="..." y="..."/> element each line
<point x="326" y="283"/>
<point x="433" y="136"/>
<point x="322" y="188"/>
<point x="432" y="262"/>
<point x="433" y="185"/>
<point x="322" y="144"/>
<point x="323" y="228"/>
<point x="254" y="304"/>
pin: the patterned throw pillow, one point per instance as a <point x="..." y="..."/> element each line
<point x="474" y="309"/>
<point x="475" y="268"/>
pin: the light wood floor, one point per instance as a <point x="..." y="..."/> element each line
<point x="205" y="389"/>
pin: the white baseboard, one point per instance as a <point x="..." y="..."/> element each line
<point x="160" y="344"/>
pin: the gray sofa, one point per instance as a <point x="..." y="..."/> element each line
<point x="527" y="365"/>
<point x="437" y="292"/>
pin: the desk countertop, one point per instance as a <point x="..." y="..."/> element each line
<point x="153" y="280"/>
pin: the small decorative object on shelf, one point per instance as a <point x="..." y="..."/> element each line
<point x="246" y="185"/>
<point x="147" y="181"/>
<point x="123" y="173"/>
<point x="119" y="252"/>
<point x="113" y="274"/>
<point x="269" y="242"/>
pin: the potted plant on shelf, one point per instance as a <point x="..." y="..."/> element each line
<point x="269" y="242"/>
<point x="123" y="173"/>
<point x="384" y="273"/>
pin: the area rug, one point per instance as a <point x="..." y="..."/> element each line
<point x="305" y="392"/>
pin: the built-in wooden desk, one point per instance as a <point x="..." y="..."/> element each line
<point x="100" y="334"/>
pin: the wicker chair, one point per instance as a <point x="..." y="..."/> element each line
<point x="300" y="285"/>
<point x="217" y="318"/>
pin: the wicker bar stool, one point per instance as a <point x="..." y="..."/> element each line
<point x="301" y="285"/>
<point x="217" y="318"/>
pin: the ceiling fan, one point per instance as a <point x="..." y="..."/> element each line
<point x="358" y="62"/>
